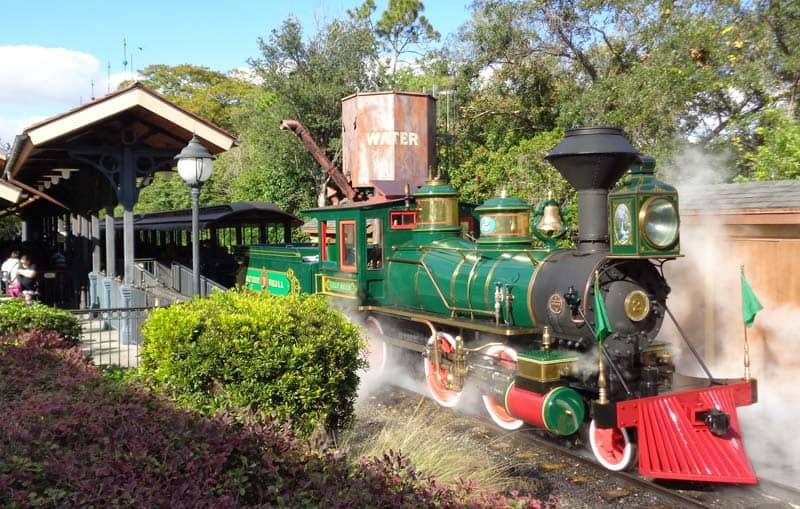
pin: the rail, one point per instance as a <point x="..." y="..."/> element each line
<point x="183" y="282"/>
<point x="112" y="336"/>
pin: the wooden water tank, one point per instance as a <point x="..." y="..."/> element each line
<point x="388" y="140"/>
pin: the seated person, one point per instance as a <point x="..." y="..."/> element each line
<point x="26" y="276"/>
<point x="9" y="270"/>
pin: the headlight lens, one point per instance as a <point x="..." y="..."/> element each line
<point x="661" y="222"/>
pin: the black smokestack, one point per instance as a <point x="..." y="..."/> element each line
<point x="593" y="159"/>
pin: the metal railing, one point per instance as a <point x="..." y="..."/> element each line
<point x="111" y="329"/>
<point x="183" y="282"/>
<point x="112" y="336"/>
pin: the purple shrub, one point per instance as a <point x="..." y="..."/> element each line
<point x="69" y="438"/>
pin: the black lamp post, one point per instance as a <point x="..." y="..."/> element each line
<point x="194" y="167"/>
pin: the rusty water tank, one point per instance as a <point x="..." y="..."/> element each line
<point x="388" y="140"/>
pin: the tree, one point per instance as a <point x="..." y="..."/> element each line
<point x="402" y="27"/>
<point x="778" y="156"/>
<point x="224" y="99"/>
<point x="308" y="81"/>
<point x="217" y="97"/>
<point x="670" y="74"/>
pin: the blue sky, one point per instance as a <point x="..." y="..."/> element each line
<point x="52" y="50"/>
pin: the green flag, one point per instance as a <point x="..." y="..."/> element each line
<point x="750" y="303"/>
<point x="602" y="327"/>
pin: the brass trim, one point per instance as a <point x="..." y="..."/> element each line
<point x="472" y="274"/>
<point x="454" y="278"/>
<point x="589" y="285"/>
<point x="453" y="309"/>
<point x="473" y="251"/>
<point x="319" y="282"/>
<point x="488" y="284"/>
<point x="462" y="323"/>
<point x="645" y="257"/>
<point x="522" y="230"/>
<point x="416" y="280"/>
<point x="275" y="254"/>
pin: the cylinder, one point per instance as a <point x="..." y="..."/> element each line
<point x="560" y="410"/>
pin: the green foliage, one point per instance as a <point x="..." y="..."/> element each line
<point x="16" y="316"/>
<point x="778" y="157"/>
<point x="10" y="227"/>
<point x="168" y="191"/>
<point x="290" y="356"/>
<point x="217" y="97"/>
<point x="308" y="80"/>
<point x="670" y="74"/>
<point x="402" y="27"/>
<point x="666" y="73"/>
<point x="518" y="167"/>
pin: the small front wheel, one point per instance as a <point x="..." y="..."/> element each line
<point x="612" y="447"/>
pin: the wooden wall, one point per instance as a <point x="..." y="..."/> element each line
<point x="706" y="288"/>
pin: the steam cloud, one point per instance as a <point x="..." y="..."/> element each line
<point x="706" y="301"/>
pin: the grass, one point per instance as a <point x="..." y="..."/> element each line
<point x="437" y="443"/>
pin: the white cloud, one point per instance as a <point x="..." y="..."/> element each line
<point x="32" y="75"/>
<point x="12" y="126"/>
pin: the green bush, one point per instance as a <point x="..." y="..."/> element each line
<point x="16" y="316"/>
<point x="293" y="356"/>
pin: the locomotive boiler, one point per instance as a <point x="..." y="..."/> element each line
<point x="465" y="288"/>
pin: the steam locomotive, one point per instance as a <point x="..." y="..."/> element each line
<point x="464" y="287"/>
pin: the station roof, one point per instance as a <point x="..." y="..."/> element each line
<point x="43" y="158"/>
<point x="765" y="202"/>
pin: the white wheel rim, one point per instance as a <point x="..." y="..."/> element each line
<point x="376" y="347"/>
<point x="496" y="409"/>
<point x="444" y="397"/>
<point x="599" y="449"/>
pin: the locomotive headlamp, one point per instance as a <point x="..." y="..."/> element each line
<point x="643" y="215"/>
<point x="659" y="222"/>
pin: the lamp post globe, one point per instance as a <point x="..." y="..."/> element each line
<point x="195" y="167"/>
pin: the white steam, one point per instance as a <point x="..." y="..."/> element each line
<point x="706" y="301"/>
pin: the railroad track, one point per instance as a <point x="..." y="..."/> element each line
<point x="767" y="494"/>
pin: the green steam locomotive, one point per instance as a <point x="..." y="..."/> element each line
<point x="465" y="288"/>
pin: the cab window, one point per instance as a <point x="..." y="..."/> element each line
<point x="374" y="244"/>
<point x="403" y="219"/>
<point x="347" y="246"/>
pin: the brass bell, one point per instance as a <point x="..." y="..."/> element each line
<point x="550" y="224"/>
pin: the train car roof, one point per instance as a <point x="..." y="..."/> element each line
<point x="363" y="205"/>
<point x="229" y="214"/>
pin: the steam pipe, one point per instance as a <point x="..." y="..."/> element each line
<point x="318" y="155"/>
